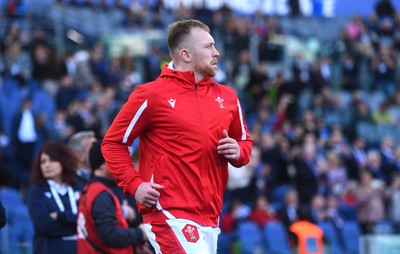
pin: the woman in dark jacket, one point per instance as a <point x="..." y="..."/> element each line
<point x="52" y="200"/>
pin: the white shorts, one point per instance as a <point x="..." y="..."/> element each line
<point x="177" y="236"/>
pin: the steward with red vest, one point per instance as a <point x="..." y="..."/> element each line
<point x="102" y="227"/>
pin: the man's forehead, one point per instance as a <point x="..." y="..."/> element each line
<point x="201" y="36"/>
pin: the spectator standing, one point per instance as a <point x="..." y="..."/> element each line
<point x="273" y="158"/>
<point x="44" y="63"/>
<point x="308" y="178"/>
<point x="356" y="159"/>
<point x="80" y="143"/>
<point x="374" y="165"/>
<point x="370" y="203"/>
<point x="383" y="66"/>
<point x="387" y="156"/>
<point x="66" y="92"/>
<point x="190" y="128"/>
<point x="60" y="129"/>
<point x="350" y="70"/>
<point x="102" y="227"/>
<point x="17" y="62"/>
<point x="333" y="213"/>
<point x="236" y="37"/>
<point x="13" y="33"/>
<point x="52" y="200"/>
<point x="241" y="70"/>
<point x="336" y="176"/>
<point x="26" y="136"/>
<point x="287" y="213"/>
<point x="393" y="194"/>
<point x="320" y="75"/>
<point x="99" y="64"/>
<point x="83" y="74"/>
<point x="301" y="71"/>
<point x="81" y="115"/>
<point x="152" y="62"/>
<point x="360" y="115"/>
<point x="318" y="208"/>
<point x="396" y="159"/>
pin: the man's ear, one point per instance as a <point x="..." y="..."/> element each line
<point x="185" y="55"/>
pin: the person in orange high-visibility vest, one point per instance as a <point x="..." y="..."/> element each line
<point x="306" y="234"/>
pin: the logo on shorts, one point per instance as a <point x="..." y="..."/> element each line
<point x="191" y="233"/>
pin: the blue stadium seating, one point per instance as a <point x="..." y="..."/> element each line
<point x="275" y="238"/>
<point x="43" y="103"/>
<point x="351" y="233"/>
<point x="224" y="243"/>
<point x="331" y="237"/>
<point x="249" y="236"/>
<point x="17" y="236"/>
<point x="11" y="96"/>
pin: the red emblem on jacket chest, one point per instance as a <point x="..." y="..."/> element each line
<point x="191" y="233"/>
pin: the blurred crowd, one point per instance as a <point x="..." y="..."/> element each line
<point x="324" y="124"/>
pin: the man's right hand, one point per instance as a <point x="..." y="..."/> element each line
<point x="147" y="194"/>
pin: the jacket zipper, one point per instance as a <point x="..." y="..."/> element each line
<point x="203" y="166"/>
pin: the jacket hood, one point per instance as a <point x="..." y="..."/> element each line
<point x="186" y="77"/>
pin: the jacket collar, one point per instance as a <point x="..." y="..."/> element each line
<point x="186" y="77"/>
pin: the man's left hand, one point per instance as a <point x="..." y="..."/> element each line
<point x="228" y="147"/>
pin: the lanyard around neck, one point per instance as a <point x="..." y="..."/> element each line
<point x="59" y="203"/>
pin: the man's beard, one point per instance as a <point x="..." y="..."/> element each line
<point x="209" y="71"/>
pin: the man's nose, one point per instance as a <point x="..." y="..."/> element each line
<point x="216" y="53"/>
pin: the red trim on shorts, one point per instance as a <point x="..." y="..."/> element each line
<point x="166" y="238"/>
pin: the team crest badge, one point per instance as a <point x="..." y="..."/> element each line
<point x="220" y="101"/>
<point x="191" y="233"/>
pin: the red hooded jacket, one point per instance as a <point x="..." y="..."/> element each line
<point x="179" y="124"/>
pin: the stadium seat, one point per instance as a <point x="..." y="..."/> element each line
<point x="17" y="236"/>
<point x="275" y="238"/>
<point x="351" y="234"/>
<point x="224" y="243"/>
<point x="20" y="235"/>
<point x="11" y="96"/>
<point x="44" y="104"/>
<point x="331" y="236"/>
<point x="278" y="193"/>
<point x="374" y="100"/>
<point x="250" y="237"/>
<point x="368" y="132"/>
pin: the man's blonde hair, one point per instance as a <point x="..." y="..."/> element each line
<point x="179" y="30"/>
